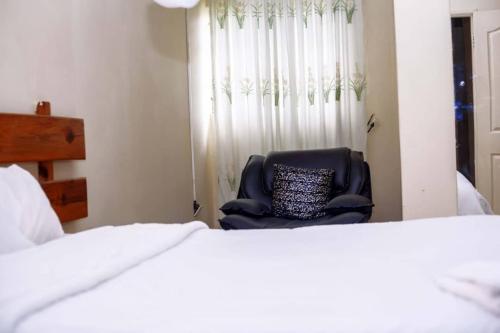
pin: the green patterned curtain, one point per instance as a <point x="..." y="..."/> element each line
<point x="287" y="74"/>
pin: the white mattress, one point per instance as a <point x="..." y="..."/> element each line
<point x="346" y="278"/>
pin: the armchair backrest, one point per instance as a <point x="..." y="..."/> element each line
<point x="352" y="174"/>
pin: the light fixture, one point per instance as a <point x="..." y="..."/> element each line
<point x="177" y="3"/>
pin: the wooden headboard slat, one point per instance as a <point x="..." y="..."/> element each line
<point x="33" y="138"/>
<point x="45" y="169"/>
<point x="68" y="198"/>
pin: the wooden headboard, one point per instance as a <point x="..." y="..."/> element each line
<point x="43" y="139"/>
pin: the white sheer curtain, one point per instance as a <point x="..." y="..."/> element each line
<point x="287" y="74"/>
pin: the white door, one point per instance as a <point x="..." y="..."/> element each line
<point x="486" y="58"/>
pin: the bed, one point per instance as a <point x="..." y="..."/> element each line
<point x="188" y="278"/>
<point x="434" y="275"/>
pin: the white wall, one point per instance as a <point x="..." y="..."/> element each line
<point x="381" y="99"/>
<point x="122" y="66"/>
<point x="426" y="115"/>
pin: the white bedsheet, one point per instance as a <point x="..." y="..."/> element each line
<point x="33" y="279"/>
<point x="347" y="278"/>
<point x="477" y="281"/>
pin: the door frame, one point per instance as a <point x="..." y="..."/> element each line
<point x="467" y="8"/>
<point x="470" y="15"/>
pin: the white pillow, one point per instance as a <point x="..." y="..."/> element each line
<point x="24" y="204"/>
<point x="11" y="239"/>
<point x="470" y="201"/>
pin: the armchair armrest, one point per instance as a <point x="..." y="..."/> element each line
<point x="349" y="203"/>
<point x="245" y="207"/>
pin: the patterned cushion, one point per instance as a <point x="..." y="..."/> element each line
<point x="300" y="193"/>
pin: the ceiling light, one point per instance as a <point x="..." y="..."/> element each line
<point x="177" y="3"/>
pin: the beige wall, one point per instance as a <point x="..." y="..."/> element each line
<point x="122" y="66"/>
<point x="201" y="109"/>
<point x="381" y="99"/>
<point x="426" y="115"/>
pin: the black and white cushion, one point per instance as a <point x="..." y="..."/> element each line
<point x="300" y="193"/>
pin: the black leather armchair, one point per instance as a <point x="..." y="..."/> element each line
<point x="351" y="202"/>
